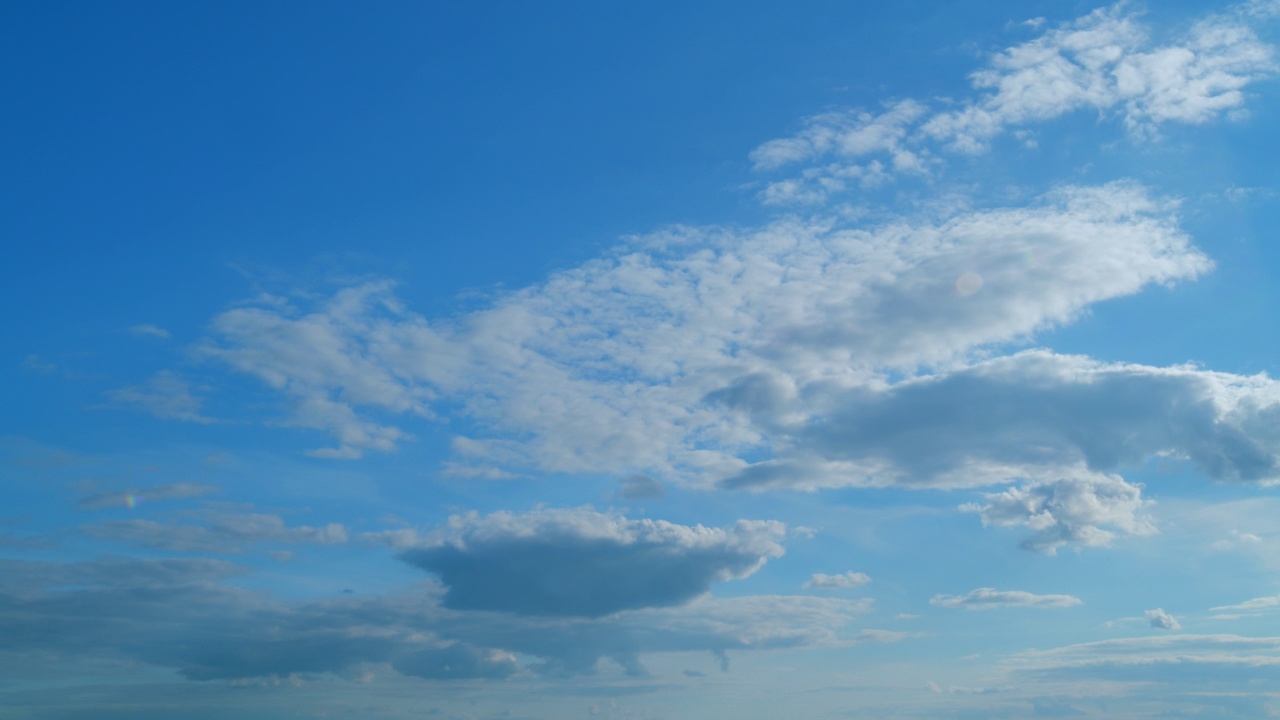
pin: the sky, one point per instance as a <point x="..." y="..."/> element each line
<point x="639" y="360"/>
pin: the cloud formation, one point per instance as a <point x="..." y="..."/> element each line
<point x="222" y="531"/>
<point x="1162" y="620"/>
<point x="586" y="563"/>
<point x="850" y="579"/>
<point x="1041" y="416"/>
<point x="131" y="498"/>
<point x="990" y="598"/>
<point x="679" y="353"/>
<point x="184" y="614"/>
<point x="1069" y="511"/>
<point x="1105" y="62"/>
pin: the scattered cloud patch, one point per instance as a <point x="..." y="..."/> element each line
<point x="221" y="532"/>
<point x="148" y="330"/>
<point x="850" y="579"/>
<point x="990" y="598"/>
<point x="1162" y="620"/>
<point x="1069" y="511"/>
<point x="166" y="395"/>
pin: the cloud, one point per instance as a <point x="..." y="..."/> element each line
<point x="148" y="330"/>
<point x="684" y="351"/>
<point x="822" y="581"/>
<point x="165" y="395"/>
<point x="182" y="614"/>
<point x="1069" y="511"/>
<point x="457" y="661"/>
<point x="1040" y="416"/>
<point x="641" y="487"/>
<point x="1105" y="62"/>
<point x="990" y="598"/>
<point x="1260" y="604"/>
<point x="131" y="498"/>
<point x="585" y="563"/>
<point x="222" y="532"/>
<point x="1162" y="620"/>
<point x="1188" y="662"/>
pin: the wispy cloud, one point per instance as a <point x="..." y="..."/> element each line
<point x="131" y="498"/>
<point x="850" y="579"/>
<point x="990" y="598"/>
<point x="166" y="395"/>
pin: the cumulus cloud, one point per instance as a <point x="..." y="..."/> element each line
<point x="166" y="395"/>
<point x="1069" y="511"/>
<point x="1041" y="416"/>
<point x="850" y="579"/>
<point x="586" y="563"/>
<point x="131" y="498"/>
<point x="1162" y="620"/>
<point x="990" y="598"/>
<point x="221" y="532"/>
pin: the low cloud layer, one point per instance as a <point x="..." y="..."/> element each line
<point x="585" y="563"/>
<point x="185" y="614"/>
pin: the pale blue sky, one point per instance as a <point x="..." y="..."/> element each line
<point x="641" y="361"/>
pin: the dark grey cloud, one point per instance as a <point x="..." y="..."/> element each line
<point x="585" y="563"/>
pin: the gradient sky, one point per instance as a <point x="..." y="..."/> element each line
<point x="639" y="360"/>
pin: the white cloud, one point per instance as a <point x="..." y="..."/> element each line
<point x="990" y="598"/>
<point x="1189" y="662"/>
<point x="585" y="563"/>
<point x="1067" y="511"/>
<point x="1162" y="620"/>
<point x="682" y="350"/>
<point x="850" y="579"/>
<point x="148" y="330"/>
<point x="1105" y="61"/>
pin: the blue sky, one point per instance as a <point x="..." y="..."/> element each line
<point x="643" y="361"/>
